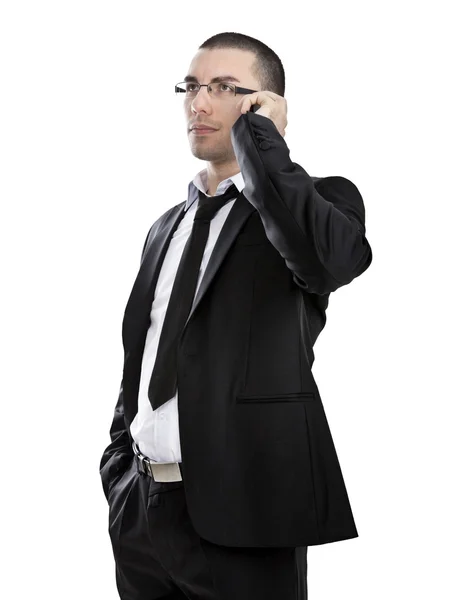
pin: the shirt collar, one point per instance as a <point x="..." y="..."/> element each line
<point x="200" y="183"/>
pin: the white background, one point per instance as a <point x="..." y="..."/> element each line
<point x="94" y="149"/>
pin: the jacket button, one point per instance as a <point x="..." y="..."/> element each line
<point x="264" y="145"/>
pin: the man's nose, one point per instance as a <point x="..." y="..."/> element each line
<point x="202" y="100"/>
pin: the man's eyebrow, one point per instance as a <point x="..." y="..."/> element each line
<point x="214" y="80"/>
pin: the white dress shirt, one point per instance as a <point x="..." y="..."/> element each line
<point x="157" y="432"/>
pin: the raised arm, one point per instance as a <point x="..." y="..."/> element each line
<point x="318" y="227"/>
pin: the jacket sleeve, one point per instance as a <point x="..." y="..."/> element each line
<point x="119" y="451"/>
<point x="317" y="227"/>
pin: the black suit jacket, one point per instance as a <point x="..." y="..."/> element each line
<point x="259" y="464"/>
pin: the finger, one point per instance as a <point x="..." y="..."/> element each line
<point x="272" y="95"/>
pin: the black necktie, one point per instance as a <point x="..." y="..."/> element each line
<point x="163" y="382"/>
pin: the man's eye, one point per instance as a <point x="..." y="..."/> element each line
<point x="224" y="85"/>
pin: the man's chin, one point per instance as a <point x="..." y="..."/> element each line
<point x="203" y="153"/>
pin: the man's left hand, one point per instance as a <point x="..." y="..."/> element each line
<point x="273" y="106"/>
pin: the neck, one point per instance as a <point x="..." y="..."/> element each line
<point x="218" y="173"/>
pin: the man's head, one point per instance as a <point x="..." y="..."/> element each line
<point x="252" y="64"/>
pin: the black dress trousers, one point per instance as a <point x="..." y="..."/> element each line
<point x="159" y="556"/>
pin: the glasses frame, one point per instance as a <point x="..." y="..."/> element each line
<point x="238" y="90"/>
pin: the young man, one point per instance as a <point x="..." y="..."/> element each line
<point x="221" y="469"/>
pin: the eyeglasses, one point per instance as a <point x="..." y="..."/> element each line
<point x="220" y="89"/>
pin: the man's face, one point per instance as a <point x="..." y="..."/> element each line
<point x="221" y="114"/>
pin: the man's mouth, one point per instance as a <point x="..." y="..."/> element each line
<point x="201" y="131"/>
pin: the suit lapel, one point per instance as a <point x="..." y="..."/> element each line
<point x="136" y="315"/>
<point x="237" y="216"/>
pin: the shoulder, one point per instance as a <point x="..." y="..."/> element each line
<point x="343" y="193"/>
<point x="154" y="228"/>
<point x="337" y="183"/>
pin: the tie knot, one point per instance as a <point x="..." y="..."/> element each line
<point x="210" y="205"/>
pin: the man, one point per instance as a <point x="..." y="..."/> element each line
<point x="221" y="469"/>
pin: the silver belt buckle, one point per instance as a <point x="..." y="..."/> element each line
<point x="162" y="472"/>
<point x="166" y="471"/>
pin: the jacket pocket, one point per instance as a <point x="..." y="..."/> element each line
<point x="294" y="397"/>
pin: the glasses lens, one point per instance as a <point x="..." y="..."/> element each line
<point x="188" y="87"/>
<point x="218" y="90"/>
<point x="222" y="89"/>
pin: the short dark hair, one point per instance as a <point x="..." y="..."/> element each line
<point x="267" y="67"/>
